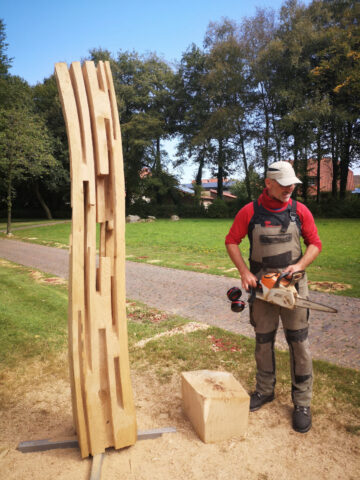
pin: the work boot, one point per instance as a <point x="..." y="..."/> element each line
<point x="257" y="400"/>
<point x="301" y="419"/>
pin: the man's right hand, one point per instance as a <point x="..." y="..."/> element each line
<point x="248" y="280"/>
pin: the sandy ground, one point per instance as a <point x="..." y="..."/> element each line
<point x="270" y="450"/>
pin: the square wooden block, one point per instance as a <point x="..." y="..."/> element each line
<point x="216" y="404"/>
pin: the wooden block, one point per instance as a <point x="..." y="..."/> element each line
<point x="216" y="404"/>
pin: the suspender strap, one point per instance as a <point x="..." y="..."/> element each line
<point x="293" y="211"/>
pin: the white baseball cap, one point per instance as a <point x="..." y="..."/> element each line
<point x="283" y="173"/>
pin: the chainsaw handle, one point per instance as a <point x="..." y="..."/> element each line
<point x="295" y="277"/>
<point x="252" y="291"/>
<point x="280" y="277"/>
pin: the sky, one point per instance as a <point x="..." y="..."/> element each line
<point x="43" y="32"/>
<point x="40" y="33"/>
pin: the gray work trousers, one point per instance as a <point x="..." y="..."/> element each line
<point x="265" y="319"/>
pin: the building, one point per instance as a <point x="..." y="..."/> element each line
<point x="209" y="190"/>
<point x="357" y="181"/>
<point x="326" y="176"/>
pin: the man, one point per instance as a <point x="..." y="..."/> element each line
<point x="274" y="224"/>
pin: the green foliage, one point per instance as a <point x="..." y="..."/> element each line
<point x="212" y="85"/>
<point x="47" y="105"/>
<point x="270" y="88"/>
<point x="26" y="151"/>
<point x="218" y="209"/>
<point x="191" y="211"/>
<point x="330" y="207"/>
<point x="143" y="86"/>
<point x="139" y="207"/>
<point x="159" y="187"/>
<point x="253" y="183"/>
<point x="5" y="61"/>
<point x="183" y="210"/>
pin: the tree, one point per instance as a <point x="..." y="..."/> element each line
<point x="143" y="86"/>
<point x="337" y="71"/>
<point x="26" y="151"/>
<point x="192" y="107"/>
<point x="5" y="61"/>
<point x="256" y="34"/>
<point x="227" y="84"/>
<point x="241" y="187"/>
<point x="160" y="187"/>
<point x="56" y="187"/>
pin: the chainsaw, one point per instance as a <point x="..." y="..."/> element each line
<point x="278" y="289"/>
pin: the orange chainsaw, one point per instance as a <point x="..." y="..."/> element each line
<point x="277" y="289"/>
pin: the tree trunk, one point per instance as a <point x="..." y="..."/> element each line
<point x="345" y="159"/>
<point x="246" y="168"/>
<point x="198" y="179"/>
<point x="275" y="130"/>
<point x="9" y="203"/>
<point x="305" y="178"/>
<point x="267" y="136"/>
<point x="42" y="201"/>
<point x="335" y="161"/>
<point x="318" y="161"/>
<point x="296" y="162"/>
<point x="220" y="174"/>
<point x="158" y="156"/>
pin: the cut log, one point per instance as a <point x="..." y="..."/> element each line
<point x="216" y="405"/>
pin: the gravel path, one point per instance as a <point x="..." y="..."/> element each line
<point x="202" y="297"/>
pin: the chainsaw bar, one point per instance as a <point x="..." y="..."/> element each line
<point x="301" y="303"/>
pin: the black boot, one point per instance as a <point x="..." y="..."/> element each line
<point x="257" y="400"/>
<point x="301" y="419"/>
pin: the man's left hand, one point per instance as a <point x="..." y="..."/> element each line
<point x="292" y="269"/>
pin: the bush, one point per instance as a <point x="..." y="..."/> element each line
<point x="190" y="211"/>
<point x="139" y="207"/>
<point x="163" y="211"/>
<point x="330" y="207"/>
<point x="24" y="213"/>
<point x="236" y="205"/>
<point x="218" y="209"/>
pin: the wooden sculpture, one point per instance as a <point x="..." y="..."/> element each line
<point x="102" y="399"/>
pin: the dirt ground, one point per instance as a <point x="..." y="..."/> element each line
<point x="270" y="450"/>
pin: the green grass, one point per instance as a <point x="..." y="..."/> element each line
<point x="51" y="235"/>
<point x="339" y="260"/>
<point x="198" y="245"/>
<point x="33" y="329"/>
<point x="33" y="317"/>
<point x="23" y="223"/>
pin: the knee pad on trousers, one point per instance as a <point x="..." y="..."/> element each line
<point x="296" y="335"/>
<point x="264" y="353"/>
<point x="300" y="352"/>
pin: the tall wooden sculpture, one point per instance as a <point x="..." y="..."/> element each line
<point x="102" y="399"/>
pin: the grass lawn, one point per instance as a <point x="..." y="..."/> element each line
<point x="33" y="329"/>
<point x="198" y="245"/>
<point x="32" y="316"/>
<point x="25" y="223"/>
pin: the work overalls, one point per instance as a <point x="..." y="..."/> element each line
<point x="275" y="244"/>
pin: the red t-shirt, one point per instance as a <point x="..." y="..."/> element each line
<point x="239" y="228"/>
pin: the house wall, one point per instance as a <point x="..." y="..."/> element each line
<point x="326" y="174"/>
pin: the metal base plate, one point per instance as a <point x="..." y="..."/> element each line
<point x="72" y="442"/>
